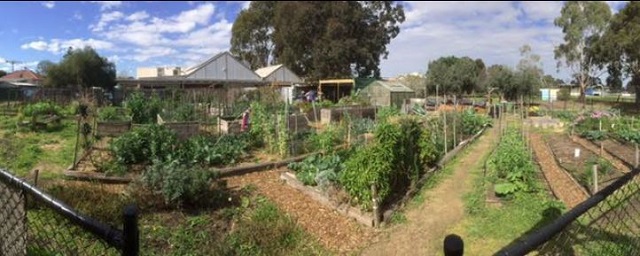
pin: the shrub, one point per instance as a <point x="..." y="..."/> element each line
<point x="472" y="122"/>
<point x="326" y="140"/>
<point x="564" y="94"/>
<point x="111" y="113"/>
<point x="144" y="110"/>
<point x="143" y="144"/>
<point x="42" y="109"/>
<point x="178" y="183"/>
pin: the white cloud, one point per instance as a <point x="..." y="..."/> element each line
<point x="492" y="31"/>
<point x="49" y="4"/>
<point x="106" y="5"/>
<point x="144" y="54"/>
<point x="77" y="16"/>
<point x="57" y="46"/>
<point x="105" y="19"/>
<point x="136" y="16"/>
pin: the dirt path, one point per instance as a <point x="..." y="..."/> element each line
<point x="444" y="208"/>
<point x="564" y="187"/>
<point x="334" y="231"/>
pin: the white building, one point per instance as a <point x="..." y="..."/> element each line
<point x="158" y="72"/>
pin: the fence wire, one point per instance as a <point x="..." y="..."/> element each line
<point x="608" y="223"/>
<point x="31" y="223"/>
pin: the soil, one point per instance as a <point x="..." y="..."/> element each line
<point x="611" y="148"/>
<point x="562" y="184"/>
<point x="623" y="152"/>
<point x="334" y="231"/>
<point x="428" y="223"/>
<point x="563" y="148"/>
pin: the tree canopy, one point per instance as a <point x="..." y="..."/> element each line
<point x="82" y="68"/>
<point x="619" y="47"/>
<point x="582" y="22"/>
<point x="455" y="76"/>
<point x="317" y="39"/>
<point x="3" y="73"/>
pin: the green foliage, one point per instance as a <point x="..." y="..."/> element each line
<point x="351" y="32"/>
<point x="604" y="168"/>
<point x="181" y="113"/>
<point x="112" y="113"/>
<point x="318" y="169"/>
<point x="326" y="140"/>
<point x="144" y="110"/>
<point x="212" y="151"/>
<point x="178" y="183"/>
<point x="82" y="67"/>
<point x="263" y="127"/>
<point x="628" y="130"/>
<point x="144" y="144"/>
<point x="564" y="94"/>
<point x="393" y="162"/>
<point x="472" y="122"/>
<point x="512" y="165"/>
<point x="41" y="109"/>
<point x="384" y="113"/>
<point x="454" y="76"/>
<point x="265" y="230"/>
<point x="581" y="22"/>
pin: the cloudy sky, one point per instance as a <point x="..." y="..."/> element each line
<point x="142" y="34"/>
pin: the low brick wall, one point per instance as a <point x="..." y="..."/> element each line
<point x="328" y="115"/>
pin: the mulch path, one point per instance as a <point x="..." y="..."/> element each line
<point x="562" y="184"/>
<point x="333" y="230"/>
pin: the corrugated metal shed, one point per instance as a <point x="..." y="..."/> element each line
<point x="224" y="67"/>
<point x="280" y="74"/>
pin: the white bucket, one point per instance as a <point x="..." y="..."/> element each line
<point x="576" y="153"/>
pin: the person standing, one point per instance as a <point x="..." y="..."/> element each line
<point x="245" y="120"/>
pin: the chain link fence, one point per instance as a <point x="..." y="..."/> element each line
<point x="34" y="223"/>
<point x="608" y="223"/>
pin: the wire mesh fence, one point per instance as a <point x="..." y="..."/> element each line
<point x="608" y="223"/>
<point x="34" y="223"/>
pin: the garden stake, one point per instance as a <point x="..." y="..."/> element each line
<point x="595" y="178"/>
<point x="637" y="156"/>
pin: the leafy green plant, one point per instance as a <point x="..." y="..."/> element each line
<point x="512" y="165"/>
<point x="327" y="139"/>
<point x="384" y="113"/>
<point x="473" y="122"/>
<point x="111" y="113"/>
<point x="144" y="110"/>
<point x="143" y="144"/>
<point x="317" y="169"/>
<point x="178" y="183"/>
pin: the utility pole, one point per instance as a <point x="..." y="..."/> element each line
<point x="13" y="62"/>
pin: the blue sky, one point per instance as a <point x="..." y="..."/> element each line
<point x="148" y="34"/>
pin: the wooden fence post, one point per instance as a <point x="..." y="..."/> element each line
<point x="376" y="208"/>
<point x="637" y="156"/>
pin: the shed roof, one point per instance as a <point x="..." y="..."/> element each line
<point x="394" y="86"/>
<point x="266" y="71"/>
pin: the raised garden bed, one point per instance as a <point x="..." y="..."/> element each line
<point x="112" y="128"/>
<point x="367" y="218"/>
<point x="564" y="149"/>
<point x="328" y="115"/>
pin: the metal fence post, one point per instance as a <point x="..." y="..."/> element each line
<point x="453" y="245"/>
<point x="130" y="233"/>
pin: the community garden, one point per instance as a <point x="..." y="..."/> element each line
<point x="183" y="157"/>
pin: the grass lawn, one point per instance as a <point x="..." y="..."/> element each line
<point x="49" y="151"/>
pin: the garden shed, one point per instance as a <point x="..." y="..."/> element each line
<point x="387" y="93"/>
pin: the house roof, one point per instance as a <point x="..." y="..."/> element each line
<point x="191" y="70"/>
<point x="21" y="74"/>
<point x="394" y="86"/>
<point x="266" y="71"/>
